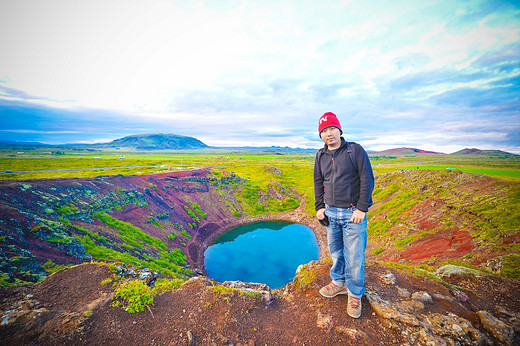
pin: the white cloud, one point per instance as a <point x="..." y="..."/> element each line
<point x="220" y="69"/>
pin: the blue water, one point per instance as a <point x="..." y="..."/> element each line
<point x="265" y="252"/>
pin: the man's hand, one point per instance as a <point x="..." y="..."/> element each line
<point x="357" y="216"/>
<point x="320" y="214"/>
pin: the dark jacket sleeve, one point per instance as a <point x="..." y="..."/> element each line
<point x="318" y="184"/>
<point x="366" y="177"/>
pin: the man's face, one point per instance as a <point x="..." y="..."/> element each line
<point x="331" y="137"/>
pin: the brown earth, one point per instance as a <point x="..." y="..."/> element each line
<point x="56" y="311"/>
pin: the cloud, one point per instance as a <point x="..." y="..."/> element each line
<point x="262" y="72"/>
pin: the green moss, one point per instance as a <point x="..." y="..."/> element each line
<point x="377" y="251"/>
<point x="163" y="264"/>
<point x="164" y="285"/>
<point x="94" y="235"/>
<point x="184" y="234"/>
<point x="51" y="267"/>
<point x="129" y="232"/>
<point x="305" y="278"/>
<point x="402" y="242"/>
<point x="176" y="255"/>
<point x="378" y="227"/>
<point x="192" y="214"/>
<point x="156" y="223"/>
<point x="172" y="236"/>
<point x="226" y="292"/>
<point x="68" y="209"/>
<point x="198" y="210"/>
<point x="511" y="266"/>
<point x="421" y="270"/>
<point x="461" y="263"/>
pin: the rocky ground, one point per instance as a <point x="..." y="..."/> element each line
<point x="74" y="307"/>
<point x="43" y="219"/>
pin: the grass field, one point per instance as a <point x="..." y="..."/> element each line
<point x="41" y="164"/>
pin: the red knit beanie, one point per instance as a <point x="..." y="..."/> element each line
<point x="329" y="119"/>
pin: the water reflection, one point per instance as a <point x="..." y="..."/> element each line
<point x="265" y="252"/>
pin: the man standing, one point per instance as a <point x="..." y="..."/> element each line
<point x="343" y="185"/>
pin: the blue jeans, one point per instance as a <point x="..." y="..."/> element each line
<point x="347" y="243"/>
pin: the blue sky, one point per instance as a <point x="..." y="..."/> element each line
<point x="435" y="75"/>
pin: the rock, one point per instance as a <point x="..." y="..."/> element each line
<point x="495" y="264"/>
<point x="513" y="318"/>
<point x="453" y="327"/>
<point x="439" y="296"/>
<point x="385" y="309"/>
<point x="261" y="289"/>
<point x="389" y="279"/>
<point x="500" y="330"/>
<point x="422" y="297"/>
<point x="191" y="340"/>
<point x="461" y="296"/>
<point x="425" y="337"/>
<point x="353" y="334"/>
<point x="410" y="305"/>
<point x="403" y="293"/>
<point x="449" y="270"/>
<point x="324" y="321"/>
<point x="222" y="339"/>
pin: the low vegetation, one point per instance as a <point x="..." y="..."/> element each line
<point x="251" y="184"/>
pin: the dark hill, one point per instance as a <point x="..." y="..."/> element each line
<point x="490" y="153"/>
<point x="403" y="151"/>
<point x="158" y="141"/>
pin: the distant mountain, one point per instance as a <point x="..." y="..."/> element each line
<point x="403" y="151"/>
<point x="19" y="143"/>
<point x="479" y="152"/>
<point x="158" y="141"/>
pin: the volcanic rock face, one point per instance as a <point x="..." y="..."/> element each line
<point x="65" y="221"/>
<point x="170" y="218"/>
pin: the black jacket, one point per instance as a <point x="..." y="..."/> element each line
<point x="343" y="178"/>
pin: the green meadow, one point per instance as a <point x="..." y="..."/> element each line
<point x="288" y="169"/>
<point x="53" y="163"/>
<point x="271" y="182"/>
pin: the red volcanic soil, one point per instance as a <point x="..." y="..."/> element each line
<point x="445" y="244"/>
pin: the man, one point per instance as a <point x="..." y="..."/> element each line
<point x="343" y="185"/>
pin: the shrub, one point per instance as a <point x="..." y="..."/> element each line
<point x="156" y="223"/>
<point x="134" y="296"/>
<point x="192" y="214"/>
<point x="163" y="285"/>
<point x="199" y="211"/>
<point x="172" y="236"/>
<point x="52" y="267"/>
<point x="184" y="234"/>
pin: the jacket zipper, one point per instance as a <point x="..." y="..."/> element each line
<point x="333" y="180"/>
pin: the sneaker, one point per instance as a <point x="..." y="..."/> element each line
<point x="332" y="290"/>
<point x="354" y="306"/>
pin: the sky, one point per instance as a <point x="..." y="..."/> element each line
<point x="433" y="75"/>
